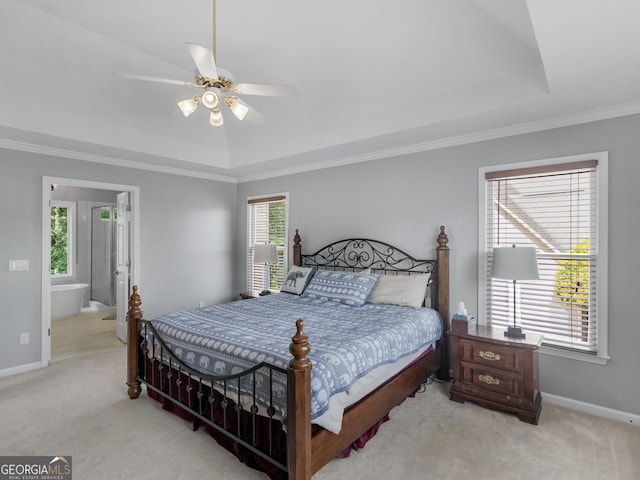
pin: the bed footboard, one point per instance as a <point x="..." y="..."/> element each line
<point x="234" y="417"/>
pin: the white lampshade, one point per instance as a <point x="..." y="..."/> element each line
<point x="209" y="99"/>
<point x="515" y="263"/>
<point x="188" y="106"/>
<point x="265" y="253"/>
<point x="215" y="118"/>
<point x="240" y="110"/>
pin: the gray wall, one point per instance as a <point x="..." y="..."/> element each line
<point x="187" y="228"/>
<point x="403" y="200"/>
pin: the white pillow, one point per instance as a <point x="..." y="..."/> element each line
<point x="404" y="290"/>
<point x="297" y="279"/>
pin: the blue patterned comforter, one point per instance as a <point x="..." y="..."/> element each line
<point x="346" y="342"/>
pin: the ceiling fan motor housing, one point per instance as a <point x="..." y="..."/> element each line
<point x="222" y="83"/>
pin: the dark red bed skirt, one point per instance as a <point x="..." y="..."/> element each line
<point x="265" y="428"/>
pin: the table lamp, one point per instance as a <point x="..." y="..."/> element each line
<point x="514" y="263"/>
<point x="265" y="253"/>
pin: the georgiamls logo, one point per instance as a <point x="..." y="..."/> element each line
<point x="35" y="468"/>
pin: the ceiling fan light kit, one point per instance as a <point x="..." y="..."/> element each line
<point x="218" y="87"/>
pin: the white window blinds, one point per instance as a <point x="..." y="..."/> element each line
<point x="555" y="209"/>
<point x="266" y="223"/>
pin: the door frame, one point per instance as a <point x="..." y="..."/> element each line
<point x="134" y="246"/>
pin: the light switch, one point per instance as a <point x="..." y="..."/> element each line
<point x="18" y="265"/>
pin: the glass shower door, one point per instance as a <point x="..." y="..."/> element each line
<point x="103" y="255"/>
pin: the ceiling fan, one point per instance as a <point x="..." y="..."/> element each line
<point x="219" y="86"/>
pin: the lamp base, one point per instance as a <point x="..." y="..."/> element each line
<point x="514" y="332"/>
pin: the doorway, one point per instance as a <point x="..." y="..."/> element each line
<point x="124" y="268"/>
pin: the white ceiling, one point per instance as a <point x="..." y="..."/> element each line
<point x="376" y="77"/>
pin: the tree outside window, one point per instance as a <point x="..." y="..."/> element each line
<point x="572" y="286"/>
<point x="61" y="238"/>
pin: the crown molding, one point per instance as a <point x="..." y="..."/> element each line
<point x="107" y="160"/>
<point x="493" y="134"/>
<point x="520" y="129"/>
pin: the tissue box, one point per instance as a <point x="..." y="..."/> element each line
<point x="461" y="323"/>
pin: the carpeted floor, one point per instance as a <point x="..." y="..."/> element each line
<point x="66" y="409"/>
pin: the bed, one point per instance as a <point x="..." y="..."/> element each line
<point x="288" y="405"/>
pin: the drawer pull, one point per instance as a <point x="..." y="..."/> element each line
<point x="494" y="357"/>
<point x="489" y="380"/>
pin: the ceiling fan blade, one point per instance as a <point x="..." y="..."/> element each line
<point x="148" y="78"/>
<point x="256" y="118"/>
<point x="270" y="90"/>
<point x="203" y="58"/>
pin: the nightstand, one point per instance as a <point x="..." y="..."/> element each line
<point x="497" y="372"/>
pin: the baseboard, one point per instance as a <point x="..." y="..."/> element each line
<point x="21" y="369"/>
<point x="597" y="410"/>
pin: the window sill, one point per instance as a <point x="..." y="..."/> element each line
<point x="582" y="357"/>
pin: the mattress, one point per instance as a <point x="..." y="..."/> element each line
<point x="348" y="343"/>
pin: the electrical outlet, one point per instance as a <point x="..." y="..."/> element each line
<point x="24" y="338"/>
<point x="201" y="304"/>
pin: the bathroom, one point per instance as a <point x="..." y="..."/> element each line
<point x="86" y="281"/>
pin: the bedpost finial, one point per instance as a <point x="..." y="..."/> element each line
<point x="134" y="303"/>
<point x="299" y="348"/>
<point x="442" y="239"/>
<point x="297" y="249"/>
<point x="299" y="327"/>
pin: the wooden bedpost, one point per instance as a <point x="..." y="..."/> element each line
<point x="299" y="407"/>
<point x="134" y="314"/>
<point x="442" y="254"/>
<point x="297" y="249"/>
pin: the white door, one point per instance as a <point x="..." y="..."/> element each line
<point x="122" y="265"/>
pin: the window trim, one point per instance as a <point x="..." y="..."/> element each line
<point x="267" y="198"/>
<point x="71" y="229"/>
<point x="602" y="179"/>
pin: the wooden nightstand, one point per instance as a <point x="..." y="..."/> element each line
<point x="497" y="372"/>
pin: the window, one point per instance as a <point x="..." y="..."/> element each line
<point x="62" y="227"/>
<point x="559" y="207"/>
<point x="267" y="223"/>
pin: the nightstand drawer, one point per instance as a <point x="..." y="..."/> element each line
<point x="489" y="379"/>
<point x="496" y="356"/>
<point x="497" y="372"/>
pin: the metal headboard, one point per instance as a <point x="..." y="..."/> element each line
<point x="356" y="254"/>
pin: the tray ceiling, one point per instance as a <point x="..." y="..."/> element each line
<point x="374" y="77"/>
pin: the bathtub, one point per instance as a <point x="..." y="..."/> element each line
<point x="66" y="300"/>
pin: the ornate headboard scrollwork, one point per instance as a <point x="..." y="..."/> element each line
<point x="357" y="254"/>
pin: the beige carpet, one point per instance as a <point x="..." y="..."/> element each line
<point x="66" y="410"/>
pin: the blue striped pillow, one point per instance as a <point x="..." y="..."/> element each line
<point x="342" y="287"/>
